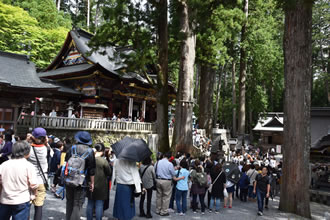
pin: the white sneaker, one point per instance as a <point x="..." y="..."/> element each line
<point x="195" y="212"/>
<point x="203" y="213"/>
<point x="182" y="214"/>
<point x="260" y="213"/>
<point x="171" y="210"/>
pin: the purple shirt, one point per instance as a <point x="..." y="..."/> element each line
<point x="6" y="150"/>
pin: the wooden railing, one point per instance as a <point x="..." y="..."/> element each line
<point x="84" y="124"/>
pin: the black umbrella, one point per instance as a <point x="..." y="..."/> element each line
<point x="232" y="172"/>
<point x="131" y="149"/>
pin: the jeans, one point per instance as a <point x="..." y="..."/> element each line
<point x="261" y="197"/>
<point x="143" y="196"/>
<point x="60" y="190"/>
<point x="75" y="197"/>
<point x="217" y="203"/>
<point x="98" y="205"/>
<point x="172" y="197"/>
<point x="17" y="212"/>
<point x="201" y="199"/>
<point x="250" y="192"/>
<point x="181" y="195"/>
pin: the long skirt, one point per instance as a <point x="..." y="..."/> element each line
<point x="124" y="207"/>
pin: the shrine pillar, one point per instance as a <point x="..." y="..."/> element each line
<point x="130" y="108"/>
<point x="144" y="109"/>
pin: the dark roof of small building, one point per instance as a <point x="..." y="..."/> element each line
<point x="17" y="71"/>
<point x="322" y="143"/>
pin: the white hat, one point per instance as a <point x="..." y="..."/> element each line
<point x="56" y="140"/>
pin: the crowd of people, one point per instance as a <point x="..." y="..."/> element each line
<point x="33" y="163"/>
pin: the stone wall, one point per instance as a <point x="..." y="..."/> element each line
<point x="107" y="138"/>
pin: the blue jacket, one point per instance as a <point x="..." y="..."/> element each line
<point x="56" y="160"/>
<point x="244" y="181"/>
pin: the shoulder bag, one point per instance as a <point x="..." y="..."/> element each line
<point x="40" y="169"/>
<point x="210" y="188"/>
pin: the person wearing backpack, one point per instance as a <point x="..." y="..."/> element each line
<point x="80" y="165"/>
<point x="148" y="177"/>
<point x="100" y="193"/>
<point x="198" y="187"/>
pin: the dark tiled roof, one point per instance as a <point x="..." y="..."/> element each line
<point x="81" y="39"/>
<point x="17" y="71"/>
<point x="66" y="70"/>
<point x="62" y="88"/>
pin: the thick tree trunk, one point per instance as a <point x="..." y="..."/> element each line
<point x="206" y="98"/>
<point x="327" y="78"/>
<point x="217" y="100"/>
<point x="162" y="79"/>
<point x="233" y="81"/>
<point x="197" y="78"/>
<point x="224" y="86"/>
<point x="182" y="138"/>
<point x="297" y="141"/>
<point x="242" y="75"/>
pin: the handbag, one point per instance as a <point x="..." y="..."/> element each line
<point x="225" y="193"/>
<point x="40" y="169"/>
<point x="210" y="188"/>
<point x="145" y="169"/>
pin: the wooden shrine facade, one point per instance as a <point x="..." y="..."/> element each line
<point x="104" y="86"/>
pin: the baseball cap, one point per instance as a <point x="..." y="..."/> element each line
<point x="39" y="132"/>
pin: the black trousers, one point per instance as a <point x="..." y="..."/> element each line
<point x="201" y="200"/>
<point x="75" y="197"/>
<point x="237" y="188"/>
<point x="243" y="194"/>
<point x="143" y="196"/>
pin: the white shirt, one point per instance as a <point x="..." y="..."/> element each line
<point x="18" y="176"/>
<point x="127" y="173"/>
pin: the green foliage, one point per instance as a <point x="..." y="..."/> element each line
<point x="131" y="23"/>
<point x="21" y="33"/>
<point x="264" y="46"/>
<point x="321" y="52"/>
<point x="45" y="12"/>
<point x="216" y="24"/>
<point x="319" y="93"/>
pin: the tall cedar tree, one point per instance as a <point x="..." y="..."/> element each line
<point x="297" y="140"/>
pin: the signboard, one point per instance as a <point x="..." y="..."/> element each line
<point x="278" y="149"/>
